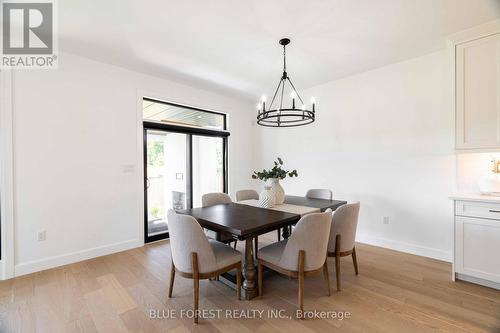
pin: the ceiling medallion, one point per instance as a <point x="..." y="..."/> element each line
<point x="282" y="116"/>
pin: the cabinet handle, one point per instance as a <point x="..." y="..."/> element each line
<point x="494" y="211"/>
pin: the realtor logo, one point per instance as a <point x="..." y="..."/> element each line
<point x="28" y="35"/>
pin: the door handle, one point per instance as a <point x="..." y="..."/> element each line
<point x="494" y="211"/>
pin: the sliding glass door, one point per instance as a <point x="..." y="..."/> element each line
<point x="181" y="163"/>
<point x="166" y="186"/>
<point x="208" y="166"/>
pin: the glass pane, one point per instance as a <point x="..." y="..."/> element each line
<point x="177" y="115"/>
<point x="166" y="171"/>
<point x="208" y="171"/>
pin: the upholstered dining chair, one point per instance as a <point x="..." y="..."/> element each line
<point x="216" y="198"/>
<point x="319" y="193"/>
<point x="247" y="195"/>
<point x="303" y="254"/>
<point x="315" y="194"/>
<point x="196" y="257"/>
<point x="343" y="235"/>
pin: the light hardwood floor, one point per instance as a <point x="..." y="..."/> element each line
<point x="394" y="292"/>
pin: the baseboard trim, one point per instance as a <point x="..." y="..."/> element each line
<point x="472" y="279"/>
<point x="406" y="247"/>
<point x="60" y="260"/>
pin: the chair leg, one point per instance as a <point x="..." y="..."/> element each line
<point x="235" y="243"/>
<point x="238" y="282"/>
<point x="355" y="260"/>
<point x="337" y="261"/>
<point x="172" y="277"/>
<point x="259" y="273"/>
<point x="327" y="278"/>
<point x="256" y="247"/>
<point x="279" y="234"/>
<point x="301" y="281"/>
<point x="196" y="285"/>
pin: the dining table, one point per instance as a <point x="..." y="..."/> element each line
<point x="246" y="220"/>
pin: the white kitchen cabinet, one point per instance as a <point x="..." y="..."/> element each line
<point x="477" y="93"/>
<point x="477" y="240"/>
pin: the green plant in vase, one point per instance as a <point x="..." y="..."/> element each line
<point x="274" y="175"/>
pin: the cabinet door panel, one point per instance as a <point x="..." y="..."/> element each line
<point x="477" y="244"/>
<point x="477" y="93"/>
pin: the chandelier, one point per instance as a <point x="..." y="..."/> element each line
<point x="280" y="115"/>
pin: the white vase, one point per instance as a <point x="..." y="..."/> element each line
<point x="266" y="197"/>
<point x="279" y="193"/>
<point x="490" y="184"/>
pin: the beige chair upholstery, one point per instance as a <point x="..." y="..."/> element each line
<point x="344" y="223"/>
<point x="320" y="194"/>
<point x="311" y="235"/>
<point x="247" y="195"/>
<point x="210" y="199"/>
<point x="343" y="236"/>
<point x="187" y="236"/>
<point x="216" y="198"/>
<point x="195" y="257"/>
<point x="303" y="254"/>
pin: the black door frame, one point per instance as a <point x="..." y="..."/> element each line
<point x="189" y="131"/>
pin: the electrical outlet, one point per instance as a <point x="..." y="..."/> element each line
<point x="386" y="219"/>
<point x="41" y="236"/>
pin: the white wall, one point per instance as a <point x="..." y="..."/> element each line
<point x="78" y="162"/>
<point x="386" y="138"/>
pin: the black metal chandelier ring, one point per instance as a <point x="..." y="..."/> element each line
<point x="282" y="116"/>
<point x="285" y="118"/>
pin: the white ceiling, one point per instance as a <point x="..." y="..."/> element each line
<point x="233" y="45"/>
<point x="161" y="112"/>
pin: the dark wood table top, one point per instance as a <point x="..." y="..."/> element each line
<point x="243" y="221"/>
<point x="322" y="204"/>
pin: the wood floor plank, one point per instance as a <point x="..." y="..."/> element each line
<point x="81" y="325"/>
<point x="116" y="296"/>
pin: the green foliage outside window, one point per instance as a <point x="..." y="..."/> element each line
<point x="155" y="153"/>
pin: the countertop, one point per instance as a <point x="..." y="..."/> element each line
<point x="474" y="197"/>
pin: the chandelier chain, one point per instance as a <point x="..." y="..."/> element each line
<point x="284" y="58"/>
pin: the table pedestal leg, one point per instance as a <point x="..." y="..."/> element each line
<point x="286" y="232"/>
<point x="250" y="284"/>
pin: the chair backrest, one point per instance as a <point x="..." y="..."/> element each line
<point x="319" y="193"/>
<point x="187" y="236"/>
<point x="344" y="223"/>
<point x="247" y="195"/>
<point x="311" y="235"/>
<point x="210" y="199"/>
